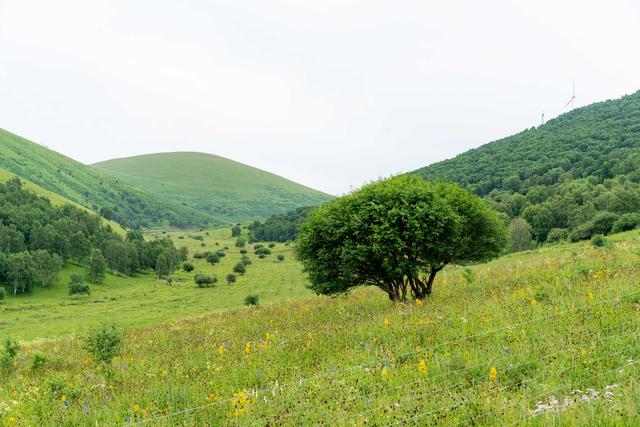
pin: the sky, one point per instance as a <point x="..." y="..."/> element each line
<point x="331" y="93"/>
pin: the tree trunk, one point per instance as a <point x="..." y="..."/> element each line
<point x="432" y="276"/>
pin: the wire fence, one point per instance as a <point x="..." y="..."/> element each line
<point x="278" y="389"/>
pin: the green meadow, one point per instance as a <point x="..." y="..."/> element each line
<point x="544" y="337"/>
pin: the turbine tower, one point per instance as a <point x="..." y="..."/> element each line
<point x="573" y="96"/>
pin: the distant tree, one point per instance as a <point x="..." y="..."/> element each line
<point x="77" y="285"/>
<point x="162" y="266"/>
<point x="245" y="260"/>
<point x="4" y="267"/>
<point x="243" y="251"/>
<point x="236" y="231"/>
<point x="96" y="266"/>
<point x="626" y="222"/>
<point x="46" y="266"/>
<point x="230" y="278"/>
<point x="188" y="267"/>
<point x="240" y="268"/>
<point x="541" y="219"/>
<point x="213" y="258"/>
<point x="11" y="239"/>
<point x="240" y="242"/>
<point x="107" y="213"/>
<point x="396" y="234"/>
<point x="79" y="247"/>
<point x="115" y="254"/>
<point x="252" y="300"/>
<point x="204" y="281"/>
<point x="519" y="235"/>
<point x="21" y="272"/>
<point x="280" y="257"/>
<point x="183" y="254"/>
<point x="272" y="245"/>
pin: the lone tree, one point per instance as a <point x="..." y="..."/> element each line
<point x="96" y="267"/>
<point x="396" y="234"/>
<point x="46" y="266"/>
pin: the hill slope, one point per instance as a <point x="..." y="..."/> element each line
<point x="226" y="190"/>
<point x="86" y="186"/>
<point x="576" y="165"/>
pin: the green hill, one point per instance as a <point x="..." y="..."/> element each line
<point x="223" y="189"/>
<point x="87" y="187"/>
<point x="562" y="174"/>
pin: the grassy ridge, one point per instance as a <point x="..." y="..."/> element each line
<point x="508" y="343"/>
<point x="87" y="187"/>
<point x="226" y="190"/>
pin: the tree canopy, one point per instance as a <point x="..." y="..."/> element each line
<point x="396" y="234"/>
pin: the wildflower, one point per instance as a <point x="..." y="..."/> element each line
<point x="247" y="348"/>
<point x="590" y="295"/>
<point x="386" y="322"/>
<point x="163" y="374"/>
<point x="533" y="301"/>
<point x="212" y="397"/>
<point x="267" y="336"/>
<point x="493" y="374"/>
<point x="63" y="398"/>
<point x="221" y="350"/>
<point x="422" y="366"/>
<point x="418" y="302"/>
<point x="239" y="403"/>
<point x="13" y="420"/>
<point x="384" y="373"/>
<point x="136" y="408"/>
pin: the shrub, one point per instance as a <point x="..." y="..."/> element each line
<point x="582" y="232"/>
<point x="240" y="268"/>
<point x="199" y="255"/>
<point x="213" y="259"/>
<point x="603" y="222"/>
<point x="77" y="285"/>
<point x="626" y="222"/>
<point x="3" y="293"/>
<point x="468" y="275"/>
<point x="245" y="260"/>
<point x="272" y="245"/>
<point x="221" y="254"/>
<point x="38" y="361"/>
<point x="188" y="267"/>
<point x="280" y="257"/>
<point x="251" y="300"/>
<point x="197" y="238"/>
<point x="598" y="241"/>
<point x="240" y="242"/>
<point x="263" y="251"/>
<point x="10" y="351"/>
<point x="103" y="342"/>
<point x="204" y="281"/>
<point x="203" y="244"/>
<point x="231" y="278"/>
<point x="243" y="251"/>
<point x="557" y="235"/>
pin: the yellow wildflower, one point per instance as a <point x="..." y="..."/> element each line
<point x="221" y="350"/>
<point x="13" y="420"/>
<point x="384" y="373"/>
<point x="422" y="366"/>
<point x="247" y="347"/>
<point x="533" y="301"/>
<point x="493" y="374"/>
<point x="418" y="302"/>
<point x="211" y="397"/>
<point x="267" y="336"/>
<point x="386" y="322"/>
<point x="136" y="408"/>
<point x="63" y="398"/>
<point x="163" y="374"/>
<point x="590" y="295"/>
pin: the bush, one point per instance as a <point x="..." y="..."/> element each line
<point x="557" y="235"/>
<point x="204" y="281"/>
<point x="263" y="251"/>
<point x="603" y="222"/>
<point x="104" y="342"/>
<point x="38" y="361"/>
<point x="272" y="245"/>
<point x="245" y="260"/>
<point x="280" y="257"/>
<point x="221" y="254"/>
<point x="598" y="241"/>
<point x="11" y="349"/>
<point x="199" y="255"/>
<point x="188" y="267"/>
<point x="243" y="251"/>
<point x="582" y="232"/>
<point x="3" y="293"/>
<point x="77" y="285"/>
<point x="231" y="278"/>
<point x="240" y="268"/>
<point x="251" y="300"/>
<point x="203" y="244"/>
<point x="626" y="222"/>
<point x="213" y="259"/>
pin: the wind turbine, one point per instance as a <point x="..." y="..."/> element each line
<point x="573" y="96"/>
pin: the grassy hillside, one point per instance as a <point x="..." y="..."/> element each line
<point x="581" y="163"/>
<point x="546" y="337"/>
<point x="56" y="200"/>
<point x="86" y="186"/>
<point x="226" y="190"/>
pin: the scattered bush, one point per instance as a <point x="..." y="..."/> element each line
<point x="251" y="300"/>
<point x="272" y="245"/>
<point x="199" y="255"/>
<point x="603" y="222"/>
<point x="626" y="222"/>
<point x="468" y="275"/>
<point x="197" y="238"/>
<point x="231" y="278"/>
<point x="243" y="251"/>
<point x="188" y="267"/>
<point x="245" y="260"/>
<point x="557" y="235"/>
<point x="240" y="242"/>
<point x="38" y="361"/>
<point x="263" y="251"/>
<point x="10" y="351"/>
<point x="77" y="285"/>
<point x="203" y="244"/>
<point x="213" y="259"/>
<point x="103" y="342"/>
<point x="204" y="281"/>
<point x="598" y="241"/>
<point x="221" y="254"/>
<point x="280" y="257"/>
<point x="240" y="268"/>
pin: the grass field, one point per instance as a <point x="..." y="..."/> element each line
<point x="536" y="338"/>
<point x="221" y="188"/>
<point x="142" y="300"/>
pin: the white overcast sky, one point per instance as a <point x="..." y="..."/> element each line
<point x="328" y="93"/>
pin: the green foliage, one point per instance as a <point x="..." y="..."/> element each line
<point x="252" y="300"/>
<point x="626" y="222"/>
<point x="280" y="257"/>
<point x="245" y="260"/>
<point x="3" y="293"/>
<point x="96" y="267"/>
<point x="279" y="227"/>
<point x="205" y="281"/>
<point x="238" y="193"/>
<point x="37" y="361"/>
<point x="240" y="242"/>
<point x="468" y="275"/>
<point x="86" y="186"/>
<point x="557" y="235"/>
<point x="9" y="353"/>
<point x="262" y="251"/>
<point x="393" y="233"/>
<point x="230" y="278"/>
<point x="213" y="258"/>
<point x="162" y="266"/>
<point x="220" y="253"/>
<point x="188" y="267"/>
<point x="598" y="241"/>
<point x="561" y="174"/>
<point x="240" y="268"/>
<point x="104" y="341"/>
<point x="46" y="266"/>
<point x="21" y="272"/>
<point x="519" y="235"/>
<point x="77" y="285"/>
<point x="236" y="231"/>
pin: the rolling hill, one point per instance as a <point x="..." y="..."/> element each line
<point x="86" y="186"/>
<point x="560" y="176"/>
<point x="223" y="189"/>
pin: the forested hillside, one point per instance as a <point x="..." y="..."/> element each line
<point x="224" y="190"/>
<point x="86" y="186"/>
<point x="573" y="176"/>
